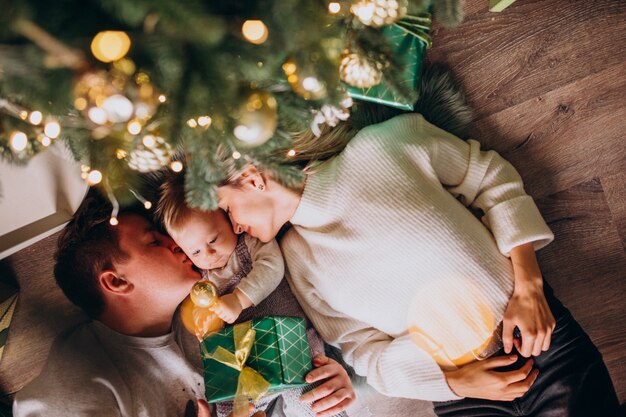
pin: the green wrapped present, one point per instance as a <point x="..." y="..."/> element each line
<point x="256" y="357"/>
<point x="8" y="300"/>
<point x="408" y="40"/>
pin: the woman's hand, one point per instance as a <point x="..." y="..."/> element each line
<point x="527" y="308"/>
<point x="334" y="395"/>
<point x="481" y="380"/>
<point x="529" y="311"/>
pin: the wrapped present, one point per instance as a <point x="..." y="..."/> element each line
<point x="408" y="40"/>
<point x="8" y="300"/>
<point x="250" y="359"/>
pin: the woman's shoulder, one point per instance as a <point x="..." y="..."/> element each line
<point x="398" y="128"/>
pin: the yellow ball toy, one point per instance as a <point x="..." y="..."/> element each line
<point x="204" y="294"/>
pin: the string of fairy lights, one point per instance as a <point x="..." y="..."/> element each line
<point x="121" y="102"/>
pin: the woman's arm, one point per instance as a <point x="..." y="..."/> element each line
<point x="527" y="308"/>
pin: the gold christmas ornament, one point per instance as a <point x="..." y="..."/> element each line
<point x="377" y="13"/>
<point x="151" y="154"/>
<point x="358" y="71"/>
<point x="257" y="119"/>
<point x="203" y="294"/>
<point x="109" y="46"/>
<point x="114" y="97"/>
<point x="199" y="321"/>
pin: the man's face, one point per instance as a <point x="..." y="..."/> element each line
<point x="207" y="238"/>
<point x="160" y="273"/>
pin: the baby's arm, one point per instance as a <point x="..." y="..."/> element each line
<point x="230" y="306"/>
<point x="268" y="269"/>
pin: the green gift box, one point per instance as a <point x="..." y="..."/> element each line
<point x="8" y="300"/>
<point x="280" y="353"/>
<point x="408" y="40"/>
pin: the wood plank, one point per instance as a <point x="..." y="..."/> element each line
<point x="615" y="191"/>
<point x="534" y="47"/>
<point x="566" y="136"/>
<point x="586" y="266"/>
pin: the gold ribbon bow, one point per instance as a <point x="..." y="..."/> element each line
<point x="251" y="384"/>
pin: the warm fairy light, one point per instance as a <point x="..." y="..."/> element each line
<point x="35" y="117"/>
<point x="23" y="114"/>
<point x="149" y="141"/>
<point x="289" y="67"/>
<point x="120" y="154"/>
<point x="109" y="46"/>
<point x="255" y="31"/>
<point x="94" y="177"/>
<point x="176" y="166"/>
<point x="291" y="152"/>
<point x="334" y="7"/>
<point x="204" y="121"/>
<point x="52" y="130"/>
<point x="85" y="168"/>
<point x="114" y="221"/>
<point x="236" y="155"/>
<point x="46" y="141"/>
<point x="80" y="103"/>
<point x="192" y="123"/>
<point x="19" y="140"/>
<point x="162" y="98"/>
<point x="134" y="127"/>
<point x="147" y="205"/>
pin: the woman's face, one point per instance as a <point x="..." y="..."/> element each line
<point x="250" y="209"/>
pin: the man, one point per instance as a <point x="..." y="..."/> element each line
<point x="130" y="359"/>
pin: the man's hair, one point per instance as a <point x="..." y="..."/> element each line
<point x="172" y="209"/>
<point x="87" y="246"/>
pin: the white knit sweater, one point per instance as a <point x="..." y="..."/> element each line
<point x="380" y="245"/>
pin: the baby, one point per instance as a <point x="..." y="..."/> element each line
<point x="244" y="270"/>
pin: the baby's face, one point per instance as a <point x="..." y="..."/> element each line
<point x="207" y="238"/>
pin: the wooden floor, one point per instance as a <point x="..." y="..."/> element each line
<point x="547" y="80"/>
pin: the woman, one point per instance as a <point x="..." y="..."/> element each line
<point x="392" y="267"/>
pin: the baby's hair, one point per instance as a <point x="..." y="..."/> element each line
<point x="172" y="209"/>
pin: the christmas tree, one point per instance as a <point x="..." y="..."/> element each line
<point x="141" y="86"/>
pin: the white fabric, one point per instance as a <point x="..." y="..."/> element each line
<point x="95" y="371"/>
<point x="380" y="245"/>
<point x="268" y="269"/>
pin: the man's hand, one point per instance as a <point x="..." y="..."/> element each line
<point x="481" y="380"/>
<point x="228" y="308"/>
<point x="527" y="308"/>
<point x="203" y="411"/>
<point x="334" y="395"/>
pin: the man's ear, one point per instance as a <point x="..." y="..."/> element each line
<point x="251" y="177"/>
<point x="113" y="282"/>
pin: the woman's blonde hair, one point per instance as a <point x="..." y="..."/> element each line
<point x="312" y="150"/>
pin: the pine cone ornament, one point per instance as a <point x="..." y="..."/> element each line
<point x="377" y="13"/>
<point x="150" y="155"/>
<point x="357" y="71"/>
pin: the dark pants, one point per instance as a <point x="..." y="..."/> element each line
<point x="573" y="380"/>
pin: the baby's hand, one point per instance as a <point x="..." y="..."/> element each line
<point x="228" y="308"/>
